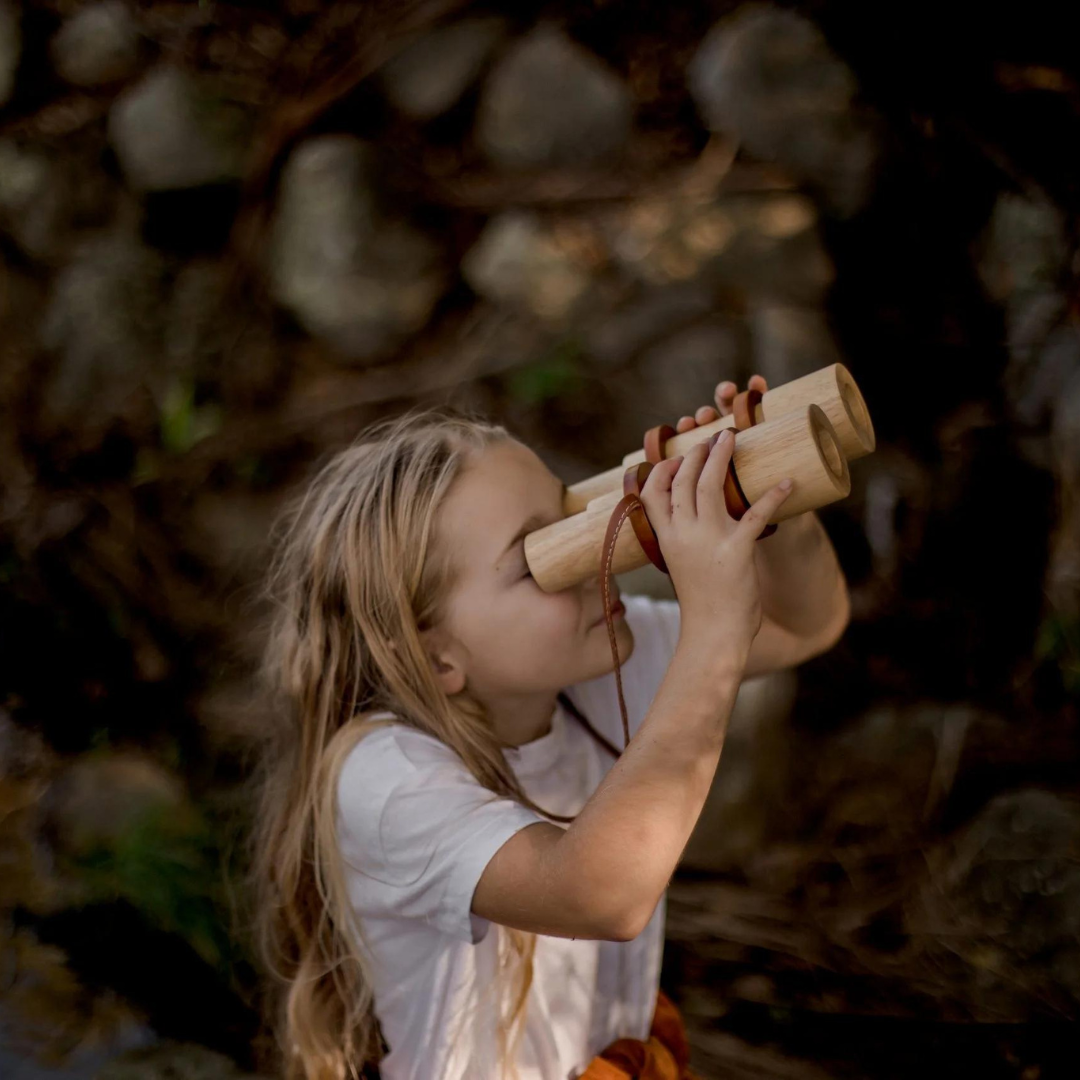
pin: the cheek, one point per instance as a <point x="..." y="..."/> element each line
<point x="532" y="613"/>
<point x="561" y="619"/>
<point x="522" y="620"/>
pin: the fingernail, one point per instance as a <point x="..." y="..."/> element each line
<point x="787" y="484"/>
<point x="725" y="434"/>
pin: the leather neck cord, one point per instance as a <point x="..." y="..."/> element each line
<point x="744" y="410"/>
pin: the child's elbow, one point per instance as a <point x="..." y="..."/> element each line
<point x="834" y="631"/>
<point x="626" y="925"/>
<point x="605" y="915"/>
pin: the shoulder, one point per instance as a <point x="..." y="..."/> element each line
<point x="389" y="759"/>
<point x="392" y="744"/>
<point x="416" y="829"/>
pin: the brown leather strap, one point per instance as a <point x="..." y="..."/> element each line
<point x="633" y="479"/>
<point x="582" y="719"/>
<point x="654" y="441"/>
<point x="744" y="409"/>
<point x="622" y="511"/>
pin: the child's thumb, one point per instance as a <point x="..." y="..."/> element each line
<point x="759" y="515"/>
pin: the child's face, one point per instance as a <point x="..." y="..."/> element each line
<point x="508" y="637"/>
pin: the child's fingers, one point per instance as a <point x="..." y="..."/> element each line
<point x="705" y="414"/>
<point x="710" y="489"/>
<point x="753" y="522"/>
<point x="656" y="491"/>
<point x="724" y="396"/>
<point x="684" y="486"/>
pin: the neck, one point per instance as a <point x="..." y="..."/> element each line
<point x="521" y="719"/>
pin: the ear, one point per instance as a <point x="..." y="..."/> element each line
<point x="445" y="663"/>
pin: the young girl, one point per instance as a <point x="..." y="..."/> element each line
<point x="453" y="842"/>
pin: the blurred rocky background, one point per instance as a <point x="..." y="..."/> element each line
<point x="232" y="234"/>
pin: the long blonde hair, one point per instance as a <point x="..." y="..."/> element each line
<point x="355" y="576"/>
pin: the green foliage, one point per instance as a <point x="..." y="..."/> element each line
<point x="9" y="565"/>
<point x="1059" y="642"/>
<point x="167" y="866"/>
<point x="253" y="471"/>
<point x="558" y="374"/>
<point x="183" y="424"/>
<point x="147" y="468"/>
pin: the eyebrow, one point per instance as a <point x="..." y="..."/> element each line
<point x="535" y="521"/>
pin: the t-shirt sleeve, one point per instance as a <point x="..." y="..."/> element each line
<point x="416" y="831"/>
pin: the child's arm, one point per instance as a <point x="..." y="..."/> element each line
<point x="603" y="876"/>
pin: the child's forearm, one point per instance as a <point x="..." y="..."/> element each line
<point x="623" y="846"/>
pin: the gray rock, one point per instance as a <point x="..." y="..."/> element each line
<point x="33" y="199"/>
<point x="103" y="322"/>
<point x="209" y="330"/>
<point x="1062" y="586"/>
<point x="1003" y="897"/>
<point x="757" y="246"/>
<point x="790" y="342"/>
<point x="1023" y="248"/>
<point x="429" y="75"/>
<point x="766" y="77"/>
<point x="358" y="280"/>
<point x="97" y="800"/>
<point x="1034" y="323"/>
<point x="646" y="318"/>
<point x="169" y="1060"/>
<point x="97" y="45"/>
<point x="1041" y="392"/>
<point x="548" y="101"/>
<point x="886" y="774"/>
<point x="1044" y="351"/>
<point x="1065" y="429"/>
<point x="96" y="1042"/>
<point x="750" y="778"/>
<point x="679" y="374"/>
<point x="10" y="48"/>
<point x="171" y="131"/>
<point x="516" y="261"/>
<point x="891" y="478"/>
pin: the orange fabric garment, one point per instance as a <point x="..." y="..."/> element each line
<point x="664" y="1056"/>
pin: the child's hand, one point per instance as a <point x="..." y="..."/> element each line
<point x="709" y="555"/>
<point x="724" y="395"/>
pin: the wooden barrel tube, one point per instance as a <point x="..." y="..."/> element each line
<point x="831" y="388"/>
<point x="801" y="444"/>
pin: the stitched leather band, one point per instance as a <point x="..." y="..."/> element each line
<point x="632" y="481"/>
<point x="622" y="511"/>
<point x="744" y="410"/>
<point x="654" y="441"/>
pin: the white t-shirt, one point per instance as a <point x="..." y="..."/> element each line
<point x="416" y="831"/>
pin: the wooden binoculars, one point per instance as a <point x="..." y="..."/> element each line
<point x="807" y="429"/>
